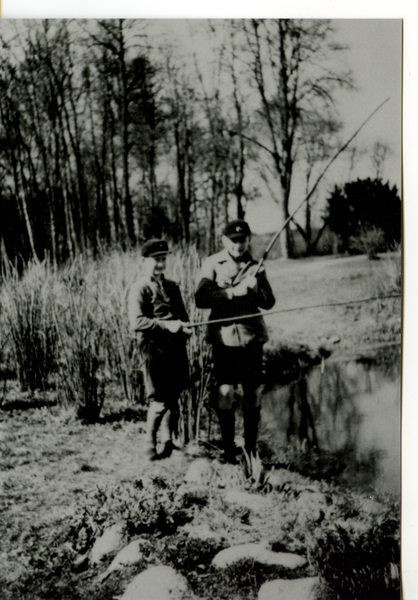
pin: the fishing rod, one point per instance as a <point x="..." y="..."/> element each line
<point x="307" y="197"/>
<point x="283" y="310"/>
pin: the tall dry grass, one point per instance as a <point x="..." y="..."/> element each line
<point x="70" y="325"/>
<point x="28" y="329"/>
<point x="185" y="266"/>
<point x="83" y="365"/>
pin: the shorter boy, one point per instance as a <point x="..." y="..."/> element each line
<point x="156" y="312"/>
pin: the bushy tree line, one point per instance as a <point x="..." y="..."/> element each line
<point x="366" y="215"/>
<point x="109" y="135"/>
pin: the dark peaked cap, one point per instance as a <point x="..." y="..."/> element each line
<point x="237" y="229"/>
<point x="155" y="247"/>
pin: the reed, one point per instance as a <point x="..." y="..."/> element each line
<point x="116" y="273"/>
<point x="185" y="266"/>
<point x="27" y="307"/>
<point x="83" y="342"/>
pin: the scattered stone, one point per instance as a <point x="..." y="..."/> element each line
<point x="157" y="583"/>
<point x="260" y="554"/>
<point x="81" y="561"/>
<point x="255" y="502"/>
<point x="200" y="472"/>
<point x="110" y="541"/>
<point x="289" y="589"/>
<point x="129" y="555"/>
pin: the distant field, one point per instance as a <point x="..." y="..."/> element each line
<point x="323" y="280"/>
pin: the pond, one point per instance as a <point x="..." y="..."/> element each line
<point x="347" y="412"/>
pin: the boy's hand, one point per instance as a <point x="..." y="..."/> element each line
<point x="224" y="282"/>
<point x="173" y="326"/>
<point x="240" y="290"/>
<point x="249" y="283"/>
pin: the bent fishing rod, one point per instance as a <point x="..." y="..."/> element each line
<point x="309" y="195"/>
<point x="290" y="217"/>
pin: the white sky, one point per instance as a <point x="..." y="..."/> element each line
<point x="378" y="79"/>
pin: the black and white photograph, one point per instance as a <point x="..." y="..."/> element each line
<point x="201" y="308"/>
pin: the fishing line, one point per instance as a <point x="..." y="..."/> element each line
<point x="284" y="310"/>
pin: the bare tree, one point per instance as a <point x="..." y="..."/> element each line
<point x="317" y="143"/>
<point x="291" y="66"/>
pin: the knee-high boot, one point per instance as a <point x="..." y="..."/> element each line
<point x="227" y="425"/>
<point x="251" y="420"/>
<point x="166" y="431"/>
<point x="156" y="413"/>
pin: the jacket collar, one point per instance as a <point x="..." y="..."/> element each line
<point x="224" y="256"/>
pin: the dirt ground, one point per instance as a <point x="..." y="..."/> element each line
<point x="50" y="460"/>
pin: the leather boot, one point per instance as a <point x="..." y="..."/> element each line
<point x="227" y="425"/>
<point x="156" y="412"/>
<point x="166" y="435"/>
<point x="251" y="420"/>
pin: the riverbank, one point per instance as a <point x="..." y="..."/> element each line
<point x="64" y="482"/>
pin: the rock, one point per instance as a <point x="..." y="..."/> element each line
<point x="157" y="583"/>
<point x="260" y="554"/>
<point x="129" y="555"/>
<point x="81" y="561"/>
<point x="200" y="472"/>
<point x="254" y="502"/>
<point x="289" y="589"/>
<point x="110" y="541"/>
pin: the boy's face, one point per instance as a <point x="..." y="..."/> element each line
<point x="236" y="248"/>
<point x="154" y="266"/>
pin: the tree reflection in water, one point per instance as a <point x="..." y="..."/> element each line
<point x="344" y="417"/>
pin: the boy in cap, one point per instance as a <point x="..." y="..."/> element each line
<point x="228" y="287"/>
<point x="156" y="312"/>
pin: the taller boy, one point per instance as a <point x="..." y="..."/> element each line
<point x="227" y="286"/>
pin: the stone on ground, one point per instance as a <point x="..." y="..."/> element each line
<point x="129" y="555"/>
<point x="260" y="554"/>
<point x="289" y="589"/>
<point x="110" y="541"/>
<point x="157" y="583"/>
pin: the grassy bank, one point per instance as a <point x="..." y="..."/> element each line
<point x="66" y="478"/>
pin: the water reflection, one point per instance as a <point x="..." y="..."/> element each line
<point x="349" y="411"/>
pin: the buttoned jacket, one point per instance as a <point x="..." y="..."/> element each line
<point x="216" y="277"/>
<point x="150" y="304"/>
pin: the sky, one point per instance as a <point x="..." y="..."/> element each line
<point x="374" y="54"/>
